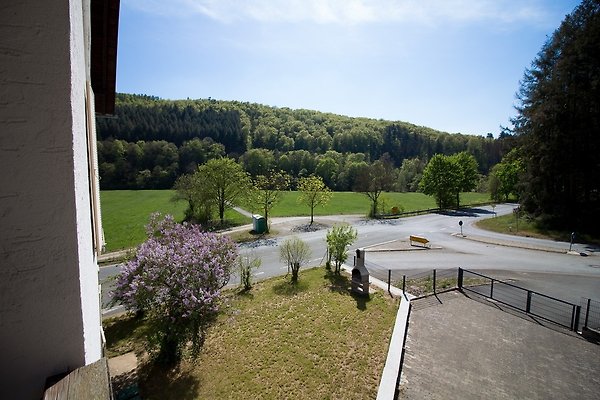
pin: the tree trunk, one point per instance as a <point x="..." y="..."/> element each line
<point x="295" y="269"/>
<point x="266" y="220"/>
<point x="169" y="349"/>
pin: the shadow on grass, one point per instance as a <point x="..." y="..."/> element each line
<point x="123" y="333"/>
<point x="125" y="386"/>
<point x="341" y="284"/>
<point x="288" y="288"/>
<point x="160" y="382"/>
<point x="244" y="293"/>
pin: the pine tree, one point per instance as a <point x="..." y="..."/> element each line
<point x="559" y="122"/>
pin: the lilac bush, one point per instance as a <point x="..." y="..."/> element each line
<point x="175" y="280"/>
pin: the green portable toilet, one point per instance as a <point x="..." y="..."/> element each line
<point x="259" y="223"/>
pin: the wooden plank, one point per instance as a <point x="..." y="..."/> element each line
<point x="89" y="382"/>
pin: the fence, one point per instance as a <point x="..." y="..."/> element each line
<point x="537" y="304"/>
<point x="590" y="314"/>
<point x="416" y="282"/>
<point x="585" y="316"/>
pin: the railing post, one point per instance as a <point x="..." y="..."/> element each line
<point x="587" y="313"/>
<point x="389" y="280"/>
<point x="404" y="285"/>
<point x="492" y="290"/>
<point x="434" y="281"/>
<point x="528" y="306"/>
<point x="460" y="278"/>
<point x="576" y="313"/>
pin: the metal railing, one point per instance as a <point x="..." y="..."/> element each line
<point x="424" y="282"/>
<point x="590" y="314"/>
<point x="419" y="283"/>
<point x="549" y="308"/>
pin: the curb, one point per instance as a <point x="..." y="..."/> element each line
<point x="395" y="356"/>
<point x="393" y="363"/>
<point x="512" y="244"/>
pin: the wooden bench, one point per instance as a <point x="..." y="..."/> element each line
<point x="418" y="239"/>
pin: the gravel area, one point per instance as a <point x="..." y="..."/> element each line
<point x="309" y="227"/>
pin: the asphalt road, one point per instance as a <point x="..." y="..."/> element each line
<point x="542" y="265"/>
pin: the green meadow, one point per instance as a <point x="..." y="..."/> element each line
<point x="126" y="212"/>
<point x="357" y="203"/>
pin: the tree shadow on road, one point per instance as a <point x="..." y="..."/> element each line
<point x="465" y="212"/>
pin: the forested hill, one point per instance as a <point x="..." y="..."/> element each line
<point x="152" y="141"/>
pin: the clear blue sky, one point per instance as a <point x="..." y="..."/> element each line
<point x="452" y="65"/>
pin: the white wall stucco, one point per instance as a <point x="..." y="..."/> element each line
<point x="49" y="307"/>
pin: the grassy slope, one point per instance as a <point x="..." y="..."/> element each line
<point x="126" y="212"/>
<point x="310" y="341"/>
<point x="508" y="224"/>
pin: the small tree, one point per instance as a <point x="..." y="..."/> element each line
<point x="294" y="252"/>
<point x="314" y="193"/>
<point x="246" y="265"/>
<point x="505" y="176"/>
<point x="224" y="181"/>
<point x="267" y="191"/>
<point x="339" y="237"/>
<point x="175" y="278"/>
<point x="374" y="180"/>
<point x="189" y="187"/>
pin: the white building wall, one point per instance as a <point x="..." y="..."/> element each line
<point x="49" y="306"/>
<point x="88" y="266"/>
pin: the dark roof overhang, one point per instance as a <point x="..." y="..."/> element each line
<point x="104" y="15"/>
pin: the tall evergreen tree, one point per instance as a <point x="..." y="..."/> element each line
<point x="559" y="122"/>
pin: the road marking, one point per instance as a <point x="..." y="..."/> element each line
<point x="259" y="273"/>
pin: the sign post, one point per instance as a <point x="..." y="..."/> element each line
<point x="572" y="240"/>
<point x="460" y="223"/>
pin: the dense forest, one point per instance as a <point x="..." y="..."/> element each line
<point x="558" y="125"/>
<point x="150" y="142"/>
<point x="548" y="161"/>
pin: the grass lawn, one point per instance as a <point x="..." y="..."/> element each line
<point x="356" y="203"/>
<point x="508" y="224"/>
<point x="313" y="340"/>
<point x="126" y="212"/>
